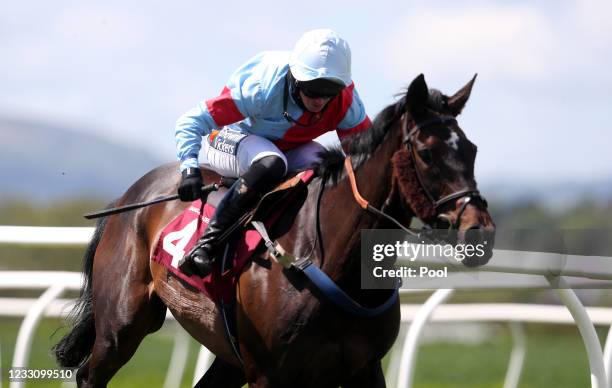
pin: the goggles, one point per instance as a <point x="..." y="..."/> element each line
<point x="317" y="94"/>
<point x="319" y="88"/>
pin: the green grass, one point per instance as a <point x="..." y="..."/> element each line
<point x="146" y="369"/>
<point x="555" y="358"/>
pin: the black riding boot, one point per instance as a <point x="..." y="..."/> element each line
<point x="237" y="201"/>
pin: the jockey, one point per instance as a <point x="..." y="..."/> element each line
<point x="262" y="126"/>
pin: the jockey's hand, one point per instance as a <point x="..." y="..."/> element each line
<point x="190" y="187"/>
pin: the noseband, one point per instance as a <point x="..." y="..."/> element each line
<point x="467" y="195"/>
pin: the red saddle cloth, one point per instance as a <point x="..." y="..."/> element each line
<point x="180" y="235"/>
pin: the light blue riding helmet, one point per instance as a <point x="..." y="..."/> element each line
<point x="321" y="54"/>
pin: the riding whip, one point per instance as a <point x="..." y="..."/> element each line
<point x="103" y="213"/>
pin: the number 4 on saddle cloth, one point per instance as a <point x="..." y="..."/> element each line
<point x="276" y="210"/>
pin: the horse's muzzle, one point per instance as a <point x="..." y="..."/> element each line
<point x="481" y="240"/>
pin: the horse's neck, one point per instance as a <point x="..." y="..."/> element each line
<point x="342" y="219"/>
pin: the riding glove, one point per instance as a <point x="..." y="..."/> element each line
<point x="190" y="187"/>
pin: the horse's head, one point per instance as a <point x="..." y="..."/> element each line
<point x="434" y="169"/>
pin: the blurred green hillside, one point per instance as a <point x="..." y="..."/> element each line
<point x="586" y="214"/>
<point x="56" y="159"/>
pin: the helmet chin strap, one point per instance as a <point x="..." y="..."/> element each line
<point x="292" y="84"/>
<point x="290" y="80"/>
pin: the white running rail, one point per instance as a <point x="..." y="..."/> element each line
<point x="55" y="283"/>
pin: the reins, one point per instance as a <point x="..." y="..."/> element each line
<point x="467" y="194"/>
<point x="364" y="204"/>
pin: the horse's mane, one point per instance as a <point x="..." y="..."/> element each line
<point x="360" y="146"/>
<point x="363" y="144"/>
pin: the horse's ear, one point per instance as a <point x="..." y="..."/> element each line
<point x="417" y="95"/>
<point x="457" y="101"/>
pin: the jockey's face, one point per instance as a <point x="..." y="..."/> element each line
<point x="314" y="105"/>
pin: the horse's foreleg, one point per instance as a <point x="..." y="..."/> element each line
<point x="369" y="377"/>
<point x="122" y="321"/>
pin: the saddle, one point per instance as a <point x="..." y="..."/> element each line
<point x="276" y="210"/>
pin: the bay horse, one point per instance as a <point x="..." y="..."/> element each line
<point x="413" y="161"/>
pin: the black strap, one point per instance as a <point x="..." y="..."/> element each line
<point x="426" y="123"/>
<point x="382" y="214"/>
<point x="286" y="114"/>
<point x="467" y="193"/>
<point x="318" y="233"/>
<point x="228" y="310"/>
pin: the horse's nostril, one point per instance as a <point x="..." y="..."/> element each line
<point x="479" y="237"/>
<point x="474" y="233"/>
<point x="478" y="234"/>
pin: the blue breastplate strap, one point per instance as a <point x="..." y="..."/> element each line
<point x="320" y="280"/>
<point x="337" y="296"/>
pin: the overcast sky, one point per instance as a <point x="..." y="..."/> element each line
<point x="540" y="110"/>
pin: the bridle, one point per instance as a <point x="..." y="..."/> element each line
<point x="467" y="194"/>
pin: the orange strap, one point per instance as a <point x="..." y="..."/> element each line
<point x="351" y="175"/>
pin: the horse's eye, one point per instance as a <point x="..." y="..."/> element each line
<point x="425" y="156"/>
